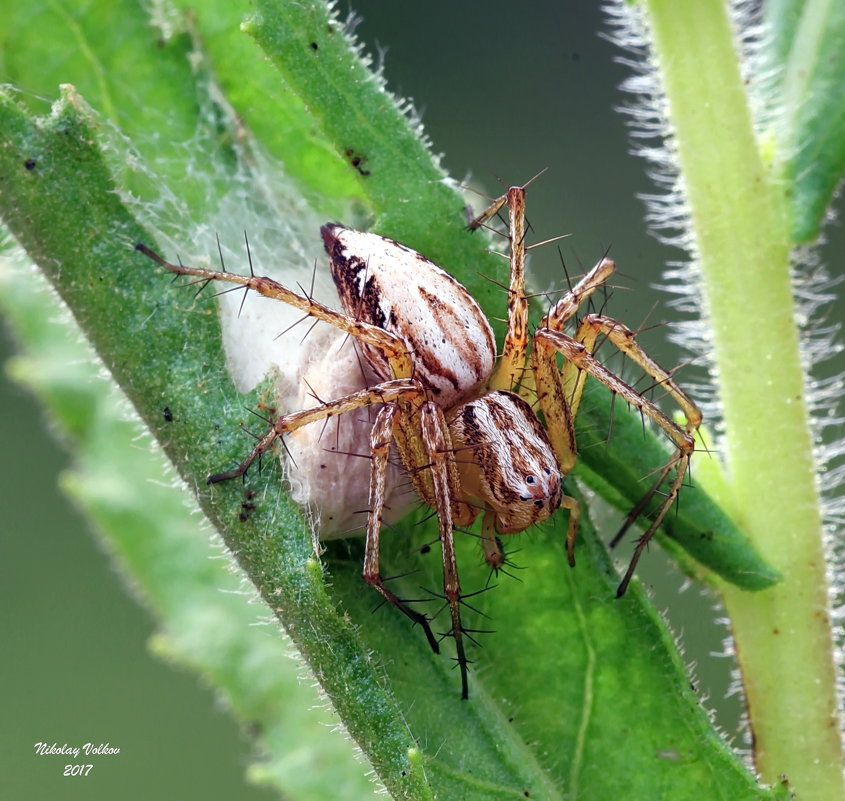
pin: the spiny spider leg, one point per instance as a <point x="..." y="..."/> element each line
<point x="680" y="464"/>
<point x="381" y="438"/>
<point x="595" y="325"/>
<point x="386" y="392"/>
<point x="568" y="305"/>
<point x="591" y="328"/>
<point x="394" y="348"/>
<point x="579" y="362"/>
<point x="442" y="457"/>
<point x="395" y="351"/>
<point x="511" y="366"/>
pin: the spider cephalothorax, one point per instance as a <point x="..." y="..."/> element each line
<point x="469" y="441"/>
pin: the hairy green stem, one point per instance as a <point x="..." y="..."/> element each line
<point x="739" y="219"/>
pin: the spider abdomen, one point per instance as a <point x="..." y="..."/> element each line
<point x="505" y="460"/>
<point x="387" y="284"/>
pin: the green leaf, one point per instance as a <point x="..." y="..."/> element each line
<point x="803" y="53"/>
<point x="151" y="532"/>
<point x="152" y="73"/>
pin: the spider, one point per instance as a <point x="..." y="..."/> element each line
<point x="461" y="421"/>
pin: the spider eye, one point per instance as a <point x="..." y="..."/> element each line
<point x="548" y="472"/>
<point x="531" y="479"/>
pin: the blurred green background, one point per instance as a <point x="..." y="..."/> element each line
<point x="504" y="93"/>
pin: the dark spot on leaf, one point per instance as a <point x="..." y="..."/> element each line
<point x="357" y="160"/>
<point x="314" y="46"/>
<point x="167" y="414"/>
<point x="30" y="164"/>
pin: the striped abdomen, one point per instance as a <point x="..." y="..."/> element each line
<point x="389" y="285"/>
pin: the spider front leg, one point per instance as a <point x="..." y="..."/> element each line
<point x="512" y="361"/>
<point x="591" y="328"/>
<point x="560" y="394"/>
<point x="444" y="476"/>
<point x="381" y="439"/>
<point x="440" y="491"/>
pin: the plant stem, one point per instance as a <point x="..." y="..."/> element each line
<point x="738" y="218"/>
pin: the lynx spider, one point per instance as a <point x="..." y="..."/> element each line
<point x="470" y="443"/>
